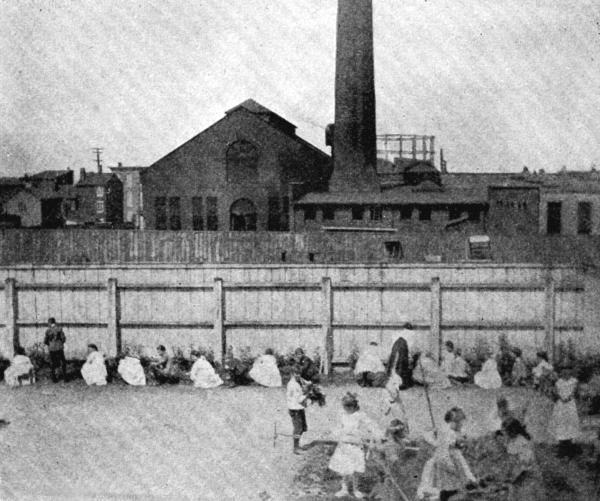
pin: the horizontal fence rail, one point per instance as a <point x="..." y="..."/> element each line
<point x="323" y="311"/>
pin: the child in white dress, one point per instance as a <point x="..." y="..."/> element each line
<point x="349" y="456"/>
<point x="564" y="423"/>
<point x="447" y="471"/>
<point x="488" y="377"/>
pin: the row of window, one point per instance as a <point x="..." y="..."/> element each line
<point x="167" y="214"/>
<point x="376" y="213"/>
<point x="584" y="218"/>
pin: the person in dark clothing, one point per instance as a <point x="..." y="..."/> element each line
<point x="164" y="371"/>
<point x="305" y="367"/>
<point x="55" y="341"/>
<point x="399" y="361"/>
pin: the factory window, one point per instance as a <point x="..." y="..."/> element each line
<point x="406" y="212"/>
<point x="553" y="222"/>
<point x="584" y="218"/>
<point x="328" y="213"/>
<point x="197" y="220"/>
<point x="357" y="212"/>
<point x="242" y="215"/>
<point x="479" y="247"/>
<point x="129" y="199"/>
<point x="174" y="213"/>
<point x="99" y="191"/>
<point x="274" y="217"/>
<point x="425" y="214"/>
<point x="285" y="214"/>
<point x="474" y="214"/>
<point x="22" y="207"/>
<point x="242" y="162"/>
<point x="212" y="215"/>
<point x="310" y="213"/>
<point x="100" y="207"/>
<point x="376" y="213"/>
<point x="160" y="213"/>
<point x="393" y="249"/>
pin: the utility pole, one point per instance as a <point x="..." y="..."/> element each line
<point x="98" y="152"/>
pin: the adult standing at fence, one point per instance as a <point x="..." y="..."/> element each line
<point x="55" y="341"/>
<point x="399" y="361"/>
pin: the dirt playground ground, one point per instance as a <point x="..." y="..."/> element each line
<point x="68" y="441"/>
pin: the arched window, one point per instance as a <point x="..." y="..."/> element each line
<point x="242" y="215"/>
<point x="242" y="162"/>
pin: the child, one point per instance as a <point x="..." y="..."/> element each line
<point x="349" y="456"/>
<point x="203" y="374"/>
<point x="524" y="476"/>
<point x="542" y="368"/>
<point x="296" y="402"/>
<point x="460" y="372"/>
<point x="500" y="415"/>
<point x="488" y="377"/>
<point x="519" y="370"/>
<point x="94" y="368"/>
<point x="265" y="371"/>
<point x="564" y="423"/>
<point x="449" y="359"/>
<point x="393" y="406"/>
<point x="446" y="472"/>
<point x="20" y="371"/>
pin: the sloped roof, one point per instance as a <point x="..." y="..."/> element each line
<point x="49" y="174"/>
<point x="258" y="109"/>
<point x="96" y="179"/>
<point x="10" y="181"/>
<point x="400" y="195"/>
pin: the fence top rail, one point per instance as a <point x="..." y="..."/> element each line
<point x="334" y="266"/>
<point x="341" y="285"/>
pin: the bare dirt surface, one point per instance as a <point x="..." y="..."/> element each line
<point x="68" y="441"/>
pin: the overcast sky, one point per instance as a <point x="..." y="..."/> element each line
<point x="500" y="84"/>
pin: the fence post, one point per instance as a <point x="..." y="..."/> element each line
<point x="435" y="340"/>
<point x="12" y="315"/>
<point x="327" y="324"/>
<point x="220" y="318"/>
<point x="549" y="316"/>
<point x="114" y="334"/>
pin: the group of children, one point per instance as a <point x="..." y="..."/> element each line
<point x="447" y="472"/>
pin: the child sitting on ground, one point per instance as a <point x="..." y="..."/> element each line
<point x="447" y="472"/>
<point x="488" y="377"/>
<point x="543" y="368"/>
<point x="20" y="371"/>
<point x="519" y="370"/>
<point x="357" y="429"/>
<point x="460" y="369"/>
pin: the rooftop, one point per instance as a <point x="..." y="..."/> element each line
<point x="95" y="179"/>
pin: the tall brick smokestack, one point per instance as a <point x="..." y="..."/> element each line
<point x="354" y="136"/>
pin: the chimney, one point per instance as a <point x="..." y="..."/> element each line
<point x="443" y="167"/>
<point x="354" y="136"/>
<point x="81" y="174"/>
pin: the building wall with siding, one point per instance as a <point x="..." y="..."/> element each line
<point x="27" y="206"/>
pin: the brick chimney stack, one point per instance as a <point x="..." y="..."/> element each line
<point x="354" y="136"/>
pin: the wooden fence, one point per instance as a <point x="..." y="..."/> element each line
<point x="332" y="309"/>
<point x="76" y="246"/>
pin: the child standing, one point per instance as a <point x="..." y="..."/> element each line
<point x="349" y="456"/>
<point x="447" y="471"/>
<point x="564" y="423"/>
<point x="296" y="401"/>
